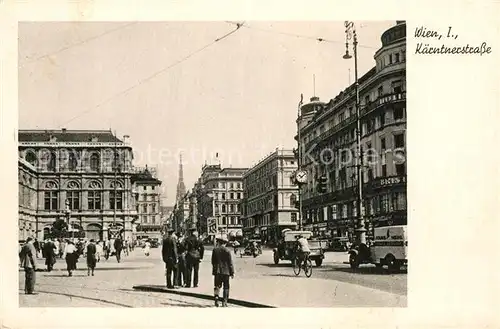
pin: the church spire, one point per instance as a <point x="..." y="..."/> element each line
<point x="181" y="188"/>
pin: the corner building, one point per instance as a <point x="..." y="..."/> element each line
<point x="219" y="192"/>
<point x="328" y="145"/>
<point x="86" y="173"/>
<point x="269" y="205"/>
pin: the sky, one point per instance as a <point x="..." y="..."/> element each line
<point x="160" y="83"/>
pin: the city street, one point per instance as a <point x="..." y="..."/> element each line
<point x="257" y="280"/>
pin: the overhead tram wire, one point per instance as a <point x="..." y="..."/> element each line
<point x="29" y="61"/>
<point x="123" y="92"/>
<point x="298" y="35"/>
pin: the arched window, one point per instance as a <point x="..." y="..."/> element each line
<point x="223" y="208"/>
<point x="73" y="195"/>
<point x="51" y="197"/>
<point x="30" y="157"/>
<point x="95" y="162"/>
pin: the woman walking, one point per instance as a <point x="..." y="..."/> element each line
<point x="91" y="257"/>
<point x="70" y="254"/>
<point x="147" y="248"/>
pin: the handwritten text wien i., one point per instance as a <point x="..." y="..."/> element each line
<point x="423" y="48"/>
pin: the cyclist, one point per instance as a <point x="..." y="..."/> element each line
<point x="302" y="249"/>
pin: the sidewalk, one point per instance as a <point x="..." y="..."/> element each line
<point x="286" y="290"/>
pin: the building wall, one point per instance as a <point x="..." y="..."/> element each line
<point x="27" y="190"/>
<point x="270" y="196"/>
<point x="330" y="139"/>
<point x="219" y="193"/>
<point x="78" y="169"/>
<point x="147" y="206"/>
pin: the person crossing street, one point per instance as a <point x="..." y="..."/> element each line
<point x="222" y="270"/>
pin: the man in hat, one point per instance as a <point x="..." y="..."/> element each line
<point x="28" y="262"/>
<point x="222" y="269"/>
<point x="169" y="256"/>
<point x="194" y="255"/>
<point x="91" y="257"/>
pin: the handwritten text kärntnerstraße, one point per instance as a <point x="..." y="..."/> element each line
<point x="423" y="48"/>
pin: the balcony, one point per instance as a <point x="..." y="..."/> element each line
<point x="382" y="100"/>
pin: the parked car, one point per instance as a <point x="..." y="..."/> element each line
<point x="286" y="247"/>
<point x="339" y="244"/>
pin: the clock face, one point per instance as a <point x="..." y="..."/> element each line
<point x="301" y="176"/>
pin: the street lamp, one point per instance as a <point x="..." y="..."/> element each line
<point x="351" y="34"/>
<point x="299" y="160"/>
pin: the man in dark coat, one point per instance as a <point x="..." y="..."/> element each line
<point x="27" y="257"/>
<point x="195" y="250"/>
<point x="169" y="256"/>
<point x="50" y="254"/>
<point x="91" y="257"/>
<point x="222" y="269"/>
<point x="118" y="244"/>
<point x="181" y="277"/>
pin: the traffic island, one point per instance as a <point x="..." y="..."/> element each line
<point x="162" y="289"/>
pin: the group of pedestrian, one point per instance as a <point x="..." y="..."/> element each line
<point x="182" y="257"/>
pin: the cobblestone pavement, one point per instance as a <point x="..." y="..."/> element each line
<point x="257" y="280"/>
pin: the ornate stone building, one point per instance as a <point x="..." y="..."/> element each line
<point x="328" y="141"/>
<point x="269" y="205"/>
<point x="81" y="175"/>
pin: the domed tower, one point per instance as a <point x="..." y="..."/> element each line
<point x="392" y="55"/>
<point x="306" y="115"/>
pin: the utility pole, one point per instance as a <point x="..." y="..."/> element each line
<point x="299" y="160"/>
<point x="351" y="34"/>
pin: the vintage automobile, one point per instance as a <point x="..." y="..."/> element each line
<point x="252" y="248"/>
<point x="286" y="247"/>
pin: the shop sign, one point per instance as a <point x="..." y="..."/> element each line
<point x="322" y="224"/>
<point x="389" y="181"/>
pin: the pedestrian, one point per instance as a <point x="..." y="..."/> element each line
<point x="27" y="257"/>
<point x="195" y="250"/>
<point x="71" y="256"/>
<point x="222" y="270"/>
<point x="181" y="263"/>
<point x="147" y="248"/>
<point x="91" y="257"/>
<point x="62" y="246"/>
<point x="99" y="250"/>
<point x="169" y="256"/>
<point x="56" y="247"/>
<point x="125" y="247"/>
<point x="50" y="255"/>
<point x="118" y="244"/>
<point x="107" y="248"/>
<point x="37" y="246"/>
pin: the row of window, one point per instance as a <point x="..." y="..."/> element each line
<point x="71" y="163"/>
<point x="396" y="88"/>
<point x="344" y="179"/>
<point x="230" y="196"/>
<point x="94" y="200"/>
<point x="232" y="208"/>
<point x="395" y="57"/>
<point x="149" y="220"/>
<point x="377" y="205"/>
<point x="145" y="208"/>
<point x="230" y="185"/>
<point x="229" y="220"/>
<point x="146" y="197"/>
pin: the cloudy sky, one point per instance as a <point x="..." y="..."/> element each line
<point x="237" y="97"/>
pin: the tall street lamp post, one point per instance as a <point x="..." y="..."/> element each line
<point x="299" y="161"/>
<point x="351" y="35"/>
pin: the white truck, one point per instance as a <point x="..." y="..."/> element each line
<point x="389" y="247"/>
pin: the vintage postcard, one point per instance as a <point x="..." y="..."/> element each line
<point x="180" y="163"/>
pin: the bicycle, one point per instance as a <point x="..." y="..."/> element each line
<point x="306" y="265"/>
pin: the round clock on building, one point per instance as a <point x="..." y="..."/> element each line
<point x="301" y="176"/>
